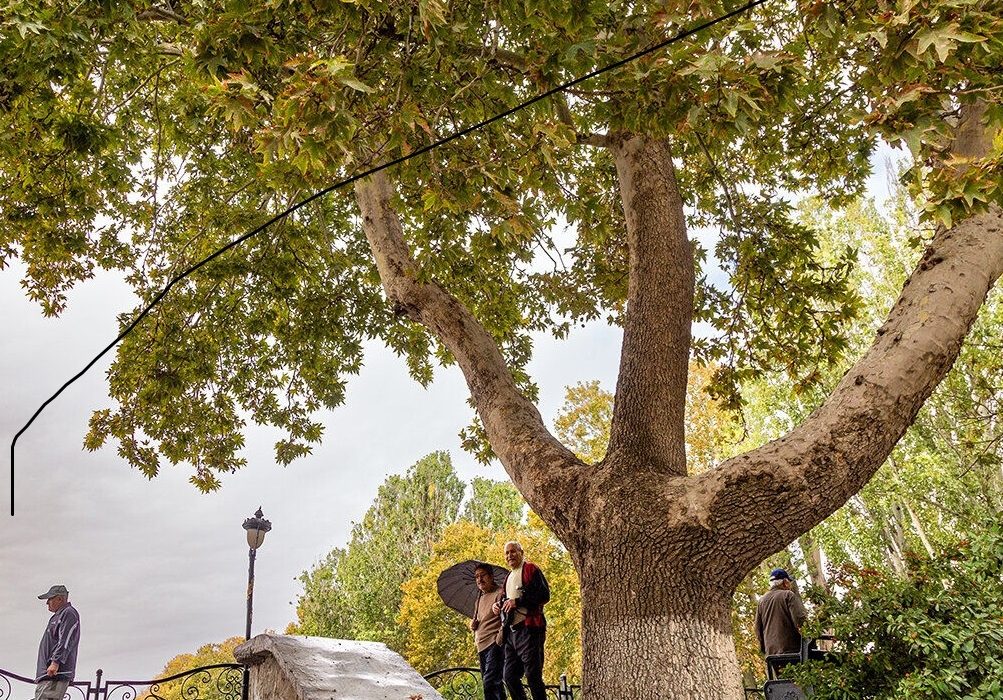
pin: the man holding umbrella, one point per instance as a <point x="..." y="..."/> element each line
<point x="474" y="589"/>
<point x="486" y="627"/>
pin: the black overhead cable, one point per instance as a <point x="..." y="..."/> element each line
<point x="683" y="34"/>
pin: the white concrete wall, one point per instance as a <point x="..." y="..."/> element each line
<point x="285" y="667"/>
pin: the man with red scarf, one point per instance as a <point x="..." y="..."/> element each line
<point x="526" y="592"/>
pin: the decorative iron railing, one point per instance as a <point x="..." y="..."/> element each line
<point x="464" y="683"/>
<point x="226" y="682"/>
<point x="215" y="682"/>
<point x="11" y="688"/>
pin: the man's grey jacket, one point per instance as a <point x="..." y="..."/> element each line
<point x="59" y="644"/>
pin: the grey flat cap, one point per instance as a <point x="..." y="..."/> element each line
<point x="54" y="591"/>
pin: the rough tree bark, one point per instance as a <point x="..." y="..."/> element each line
<point x="650" y="400"/>
<point x="659" y="552"/>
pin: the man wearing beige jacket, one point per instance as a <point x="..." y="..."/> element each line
<point x="486" y="627"/>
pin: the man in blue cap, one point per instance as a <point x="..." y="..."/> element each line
<point x="779" y="616"/>
<point x="57" y="652"/>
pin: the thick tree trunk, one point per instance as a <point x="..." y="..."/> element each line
<point x="652" y="630"/>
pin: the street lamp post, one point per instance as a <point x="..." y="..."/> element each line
<point x="256" y="528"/>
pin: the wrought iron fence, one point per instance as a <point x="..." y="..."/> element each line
<point x="464" y="683"/>
<point x="226" y="682"/>
<point x="11" y="688"/>
<point x="216" y="682"/>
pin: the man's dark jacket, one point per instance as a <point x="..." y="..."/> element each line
<point x="779" y="616"/>
<point x="533" y="594"/>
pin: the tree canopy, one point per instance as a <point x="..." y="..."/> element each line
<point x="157" y="134"/>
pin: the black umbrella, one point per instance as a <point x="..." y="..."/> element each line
<point x="458" y="589"/>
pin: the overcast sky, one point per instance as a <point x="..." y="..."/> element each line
<point x="157" y="568"/>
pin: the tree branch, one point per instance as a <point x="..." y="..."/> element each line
<point x="787" y="486"/>
<point x="161" y="14"/>
<point x="972" y="138"/>
<point x="753" y="505"/>
<point x="169" y="50"/>
<point x="597" y="140"/>
<point x="648" y="415"/>
<point x="543" y="470"/>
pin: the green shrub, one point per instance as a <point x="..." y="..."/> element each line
<point x="936" y="633"/>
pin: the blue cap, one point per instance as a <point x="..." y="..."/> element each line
<point x="779" y="575"/>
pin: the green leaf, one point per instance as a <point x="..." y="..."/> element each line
<point x="943" y="40"/>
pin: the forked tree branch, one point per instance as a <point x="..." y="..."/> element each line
<point x="542" y="469"/>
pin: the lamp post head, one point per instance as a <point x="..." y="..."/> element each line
<point x="256" y="528"/>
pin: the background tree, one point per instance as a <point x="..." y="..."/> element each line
<point x="493" y="505"/>
<point x="338" y="599"/>
<point x="355" y="593"/>
<point x="436" y="259"/>
<point x="323" y="609"/>
<point x="210" y="685"/>
<point x="583" y="421"/>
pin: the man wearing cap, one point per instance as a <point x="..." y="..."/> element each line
<point x="57" y="652"/>
<point x="779" y="617"/>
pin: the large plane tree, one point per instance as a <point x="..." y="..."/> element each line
<point x="141" y="137"/>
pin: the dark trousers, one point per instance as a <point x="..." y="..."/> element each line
<point x="524" y="655"/>
<point x="492" y="662"/>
